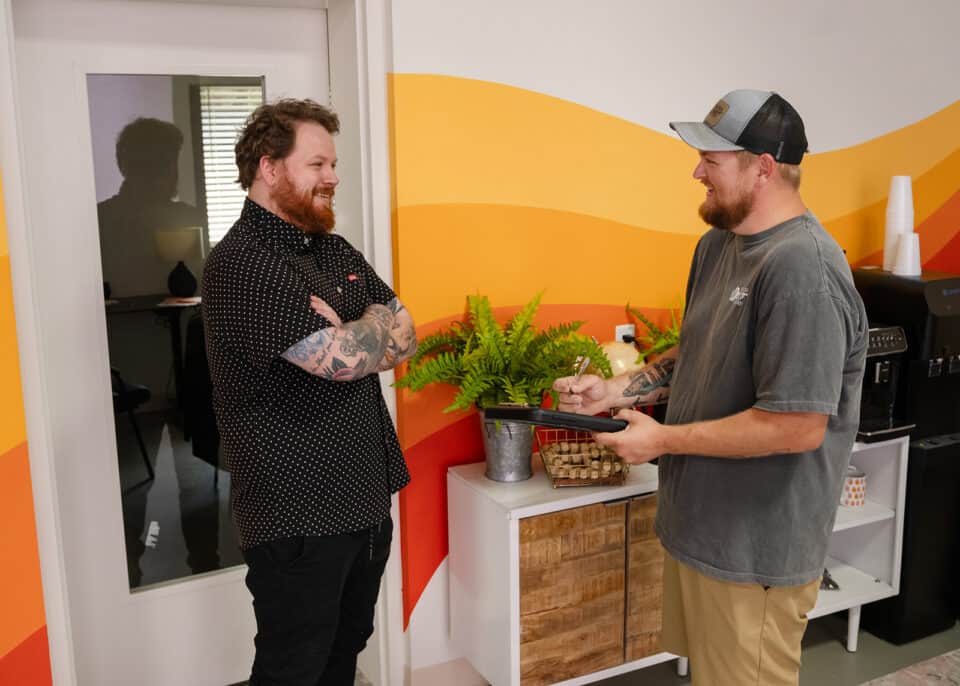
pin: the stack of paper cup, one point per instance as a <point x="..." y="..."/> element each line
<point x="907" y="261"/>
<point x="899" y="218"/>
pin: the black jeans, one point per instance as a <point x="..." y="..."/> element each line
<point x="313" y="597"/>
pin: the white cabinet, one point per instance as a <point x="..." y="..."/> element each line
<point x="488" y="519"/>
<point x="501" y="548"/>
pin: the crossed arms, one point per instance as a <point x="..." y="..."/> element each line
<point x="379" y="340"/>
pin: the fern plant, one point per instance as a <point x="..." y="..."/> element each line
<point x="657" y="340"/>
<point x="493" y="364"/>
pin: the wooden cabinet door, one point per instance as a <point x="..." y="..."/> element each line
<point x="572" y="592"/>
<point x="644" y="581"/>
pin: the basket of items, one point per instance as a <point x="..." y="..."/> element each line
<point x="573" y="458"/>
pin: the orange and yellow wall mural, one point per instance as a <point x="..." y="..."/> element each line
<point x="505" y="191"/>
<point x="24" y="655"/>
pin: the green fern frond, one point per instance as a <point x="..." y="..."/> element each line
<point x="491" y="364"/>
<point x="554" y="333"/>
<point x="654" y="330"/>
<point x="658" y="340"/>
<point x="489" y="336"/>
<point x="520" y="331"/>
<point x="474" y="383"/>
<point x="446" y="367"/>
<point x="435" y="343"/>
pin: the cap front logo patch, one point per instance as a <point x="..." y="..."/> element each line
<point x="716" y="114"/>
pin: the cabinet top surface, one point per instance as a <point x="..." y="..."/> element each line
<point x="536" y="495"/>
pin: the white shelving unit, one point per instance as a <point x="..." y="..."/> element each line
<point x="865" y="549"/>
<point x="483" y="517"/>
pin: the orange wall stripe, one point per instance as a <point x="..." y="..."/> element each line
<point x="546" y="152"/>
<point x="28" y="664"/>
<point x="20" y="588"/>
<point x="940" y="228"/>
<point x="840" y="182"/>
<point x="495" y="144"/>
<point x="423" y="527"/>
<point x="948" y="259"/>
<point x="12" y="422"/>
<point x="21" y="593"/>
<point x="448" y="251"/>
<point x="934" y="195"/>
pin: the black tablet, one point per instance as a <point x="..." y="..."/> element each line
<point x="554" y="418"/>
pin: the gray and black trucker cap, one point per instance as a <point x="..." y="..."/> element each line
<point x="758" y="121"/>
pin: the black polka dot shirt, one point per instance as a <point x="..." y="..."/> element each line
<point x="307" y="456"/>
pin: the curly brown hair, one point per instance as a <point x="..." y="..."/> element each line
<point x="271" y="131"/>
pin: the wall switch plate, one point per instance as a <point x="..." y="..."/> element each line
<point x="624" y="330"/>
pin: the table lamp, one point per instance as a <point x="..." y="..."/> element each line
<point x="176" y="245"/>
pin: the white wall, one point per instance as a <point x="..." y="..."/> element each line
<point x="854" y="69"/>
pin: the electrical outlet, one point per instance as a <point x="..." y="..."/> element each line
<point x="624" y="330"/>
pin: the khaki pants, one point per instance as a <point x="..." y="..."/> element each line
<point x="734" y="634"/>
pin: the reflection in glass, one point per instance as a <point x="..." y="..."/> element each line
<point x="147" y="153"/>
<point x="164" y="173"/>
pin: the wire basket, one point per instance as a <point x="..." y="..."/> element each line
<point x="572" y="458"/>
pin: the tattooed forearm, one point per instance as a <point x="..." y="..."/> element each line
<point x="310" y="349"/>
<point x="402" y="346"/>
<point x="380" y="313"/>
<point x="646" y="381"/>
<point x="348" y="352"/>
<point x="403" y="338"/>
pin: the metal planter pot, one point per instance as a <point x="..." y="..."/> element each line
<point x="508" y="447"/>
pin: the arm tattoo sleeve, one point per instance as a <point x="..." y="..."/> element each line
<point x="648" y="379"/>
<point x="403" y="339"/>
<point x="345" y="353"/>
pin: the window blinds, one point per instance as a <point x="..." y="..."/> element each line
<point x="223" y="112"/>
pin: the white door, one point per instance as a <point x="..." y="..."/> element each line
<point x="193" y="631"/>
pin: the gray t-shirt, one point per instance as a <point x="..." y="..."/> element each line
<point x="772" y="321"/>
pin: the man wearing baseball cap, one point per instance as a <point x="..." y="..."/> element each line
<point x="764" y="392"/>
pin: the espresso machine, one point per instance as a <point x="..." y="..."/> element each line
<point x="879" y="418"/>
<point x="924" y="382"/>
<point x="927" y="309"/>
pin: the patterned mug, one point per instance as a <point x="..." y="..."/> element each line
<point x="854" y="492"/>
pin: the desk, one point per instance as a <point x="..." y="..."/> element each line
<point x="168" y="309"/>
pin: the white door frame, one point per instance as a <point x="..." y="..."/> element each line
<point x="359" y="33"/>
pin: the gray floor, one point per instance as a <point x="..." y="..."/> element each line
<point x="361" y="680"/>
<point x="825" y="660"/>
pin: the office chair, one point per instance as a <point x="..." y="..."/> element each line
<point x="127" y="398"/>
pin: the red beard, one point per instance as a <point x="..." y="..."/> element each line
<point x="299" y="207"/>
<point x="727" y="216"/>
